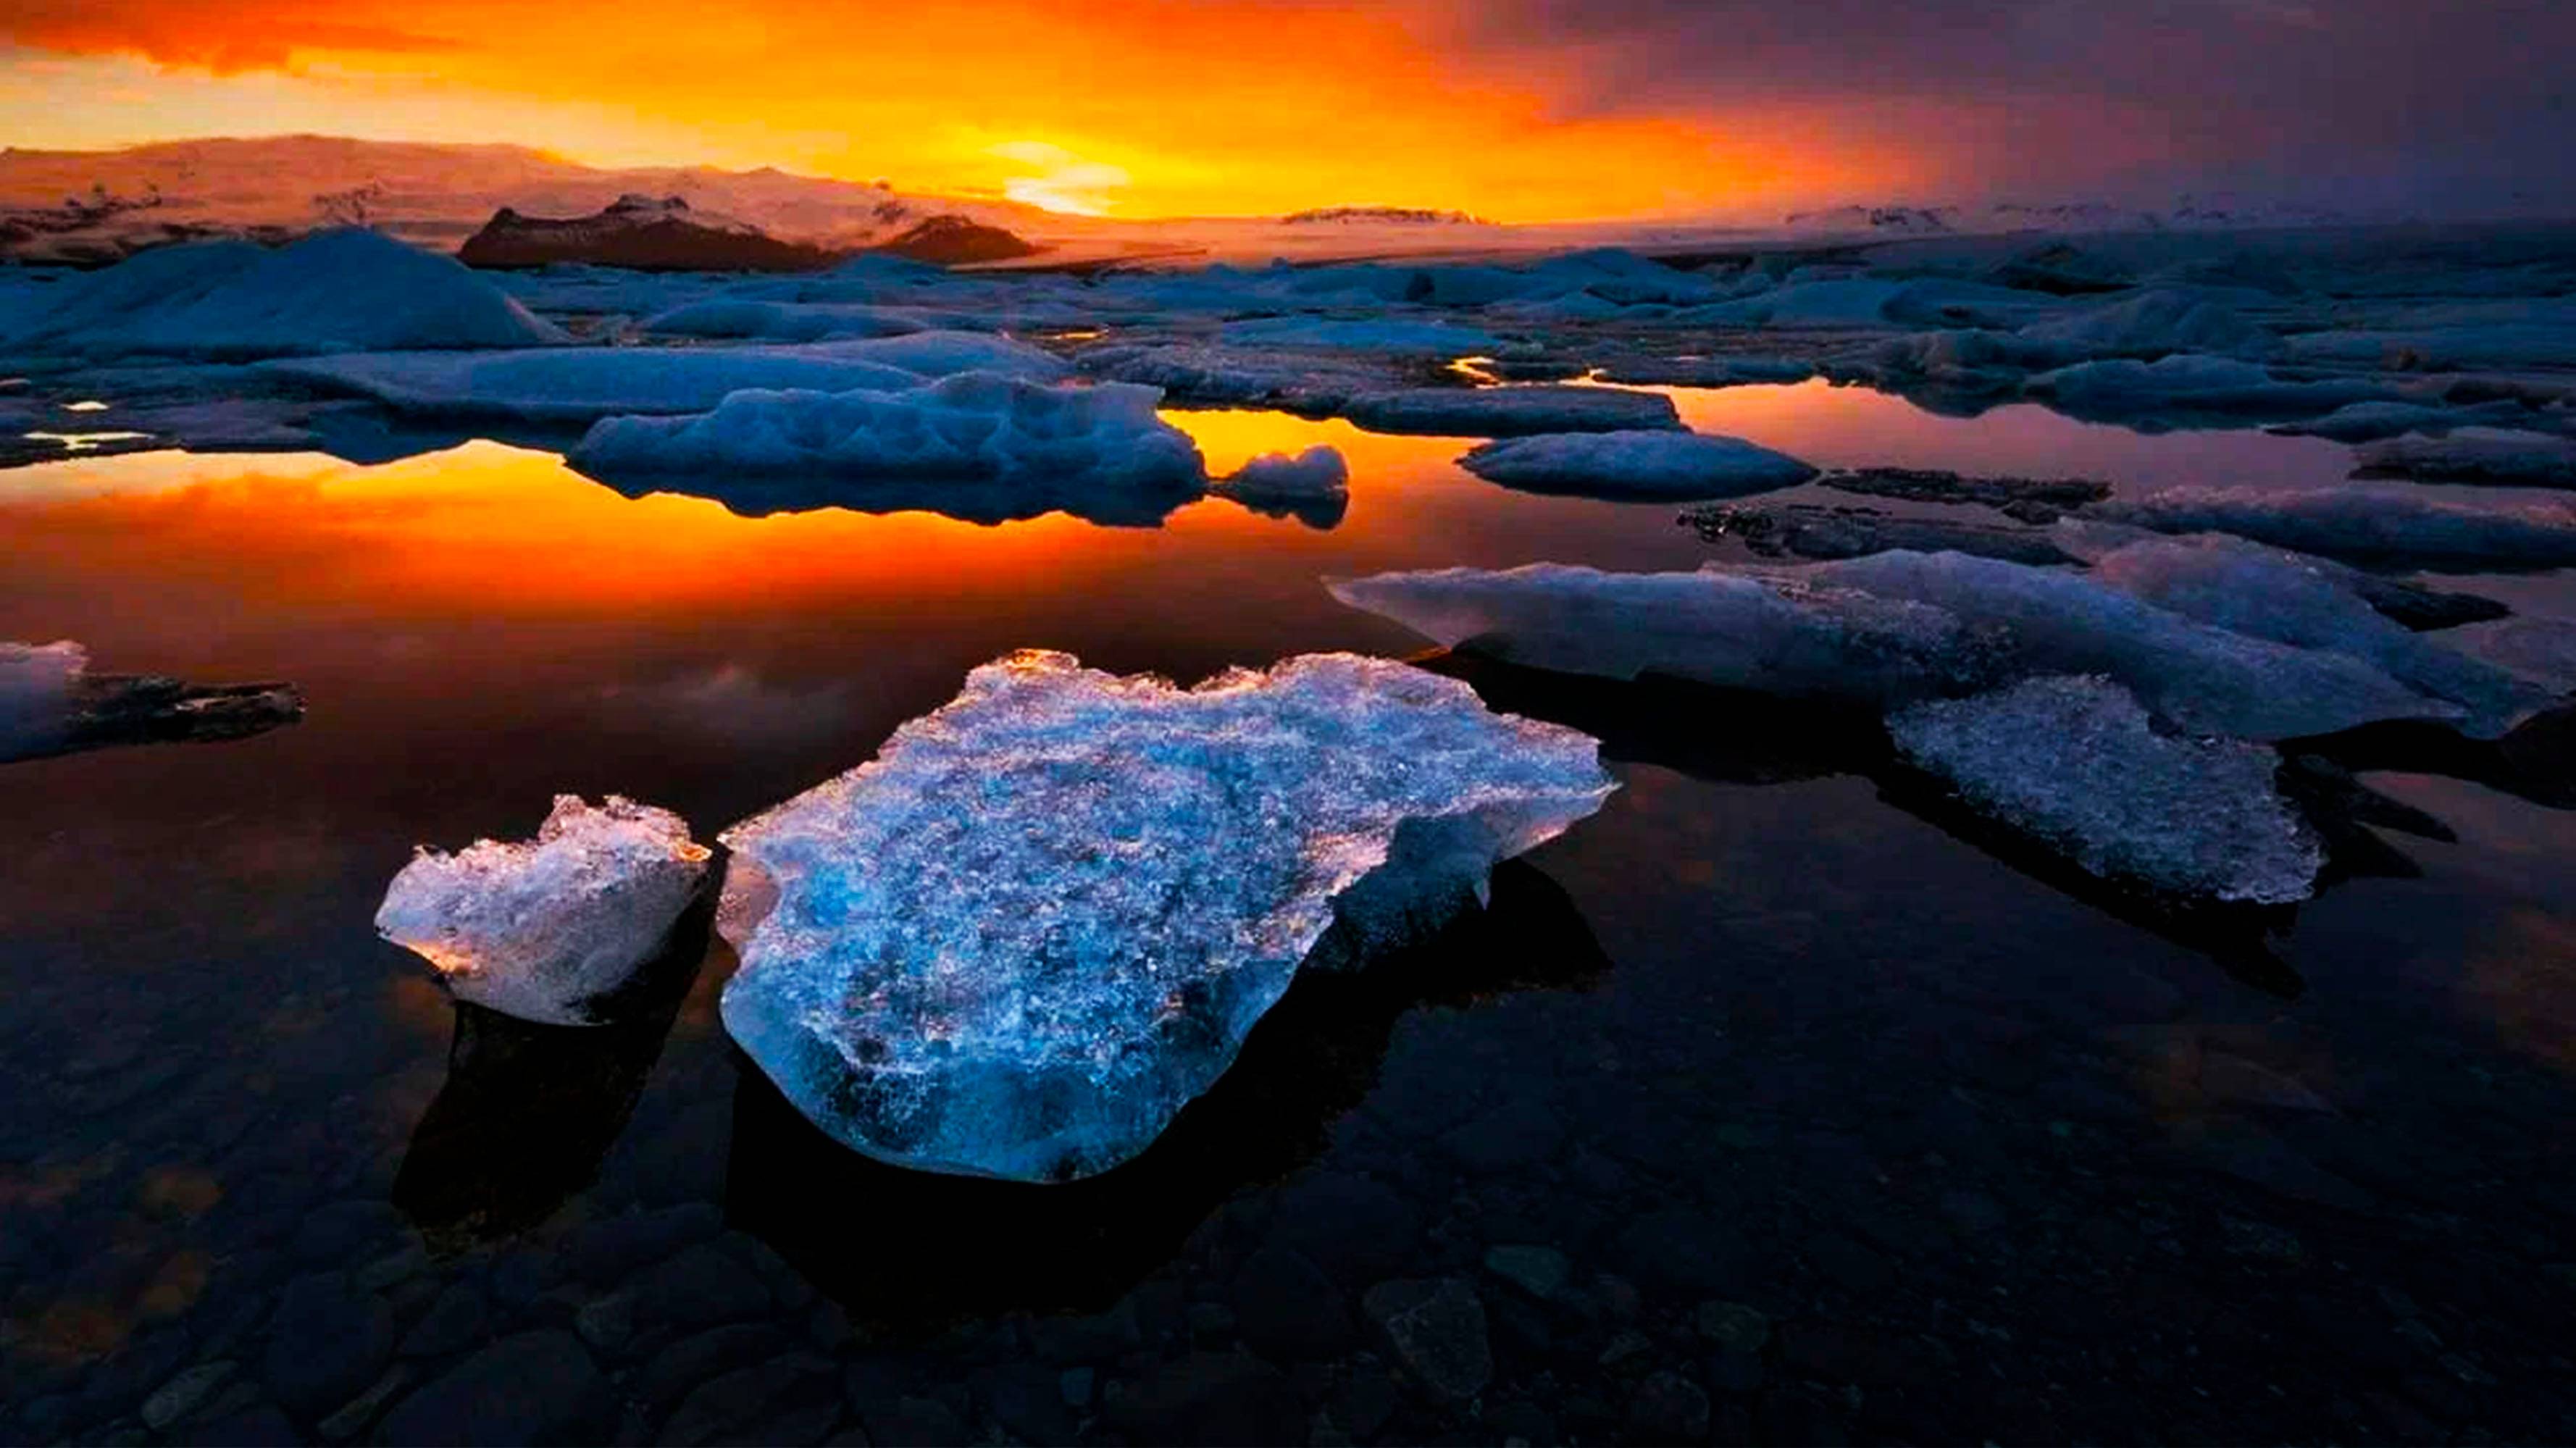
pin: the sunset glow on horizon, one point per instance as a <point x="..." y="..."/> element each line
<point x="1527" y="110"/>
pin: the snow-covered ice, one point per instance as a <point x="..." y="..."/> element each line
<point x="1316" y="475"/>
<point x="2191" y="385"/>
<point x="338" y="291"/>
<point x="990" y="446"/>
<point x="2503" y="459"/>
<point x="768" y="321"/>
<point x="551" y="929"/>
<point x="1659" y="464"/>
<point x="1045" y="916"/>
<point x="2388" y="525"/>
<point x="2076" y="763"/>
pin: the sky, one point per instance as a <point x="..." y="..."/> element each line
<point x="1518" y="110"/>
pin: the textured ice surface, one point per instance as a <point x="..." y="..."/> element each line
<point x="340" y="291"/>
<point x="2292" y="599"/>
<point x="2190" y="384"/>
<point x="1393" y="337"/>
<point x="545" y="929"/>
<point x="36" y="694"/>
<point x="2391" y="525"/>
<point x="580" y="385"/>
<point x="748" y="317"/>
<point x="2152" y="324"/>
<point x="1510" y="411"/>
<point x="2075" y="762"/>
<point x="1045" y="916"/>
<point x="2369" y="421"/>
<point x="1204" y="374"/>
<point x="1772" y="634"/>
<point x="1675" y="466"/>
<point x="1315" y="475"/>
<point x="949" y="354"/>
<point x="2200" y="676"/>
<point x="976" y="427"/>
<point x="2506" y="459"/>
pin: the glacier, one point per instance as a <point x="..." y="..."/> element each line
<point x="550" y="930"/>
<point x="1655" y="464"/>
<point x="2075" y="762"/>
<point x="1045" y="916"/>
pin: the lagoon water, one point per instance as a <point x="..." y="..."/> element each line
<point x="1983" y="1161"/>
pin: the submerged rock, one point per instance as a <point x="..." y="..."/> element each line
<point x="1044" y="918"/>
<point x="1806" y="530"/>
<point x="2077" y="763"/>
<point x="550" y="930"/>
<point x="1658" y="463"/>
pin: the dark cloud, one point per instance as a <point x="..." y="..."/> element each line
<point x="2428" y="100"/>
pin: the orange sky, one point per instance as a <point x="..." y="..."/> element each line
<point x="1137" y="107"/>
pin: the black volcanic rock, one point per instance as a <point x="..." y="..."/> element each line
<point x="953" y="240"/>
<point x="641" y="233"/>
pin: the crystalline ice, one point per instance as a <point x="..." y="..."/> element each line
<point x="36" y="694"/>
<point x="1035" y="446"/>
<point x="1315" y="475"/>
<point x="1043" y="919"/>
<point x="340" y="291"/>
<point x="547" y="929"/>
<point x="2203" y="677"/>
<point x="1510" y="411"/>
<point x="2305" y="602"/>
<point x="1674" y="466"/>
<point x="2075" y="762"/>
<point x="2381" y="525"/>
<point x="1770" y="634"/>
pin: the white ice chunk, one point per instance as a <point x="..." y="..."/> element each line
<point x="2077" y="763"/>
<point x="1510" y="411"/>
<point x="947" y="354"/>
<point x="580" y="385"/>
<point x="2151" y="324"/>
<point x="340" y="291"/>
<point x="1774" y="635"/>
<point x="973" y="427"/>
<point x="1674" y="466"/>
<point x="2203" y="677"/>
<point x="1045" y="916"/>
<point x="2301" y="601"/>
<point x="547" y="929"/>
<point x="768" y="321"/>
<point x="1316" y="475"/>
<point x="2389" y="524"/>
<point x="2192" y="384"/>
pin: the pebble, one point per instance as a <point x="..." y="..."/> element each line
<point x="184" y="1394"/>
<point x="1437" y="1331"/>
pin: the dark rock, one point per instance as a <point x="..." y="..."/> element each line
<point x="1808" y="530"/>
<point x="1667" y="1408"/>
<point x="1848" y="1264"/>
<point x="602" y="1253"/>
<point x="1540" y="1271"/>
<point x="456" y="1321"/>
<point x="914" y="1423"/>
<point x="1686" y="1254"/>
<point x="951" y="240"/>
<point x="1093" y="1339"/>
<point x="339" y="1234"/>
<point x="1027" y="1400"/>
<point x="254" y="1428"/>
<point x="326" y="1344"/>
<point x="1212" y="1399"/>
<point x="1436" y="1329"/>
<point x="641" y="233"/>
<point x="683" y="1365"/>
<point x="1285" y="1307"/>
<point x="701" y="1286"/>
<point x="1354" y="1228"/>
<point x="2032" y="500"/>
<point x="2414" y="606"/>
<point x="1734" y="1326"/>
<point x="536" y="1387"/>
<point x="1735" y="1371"/>
<point x="1512" y="1137"/>
<point x="788" y="1400"/>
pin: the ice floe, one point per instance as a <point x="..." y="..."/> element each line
<point x="1045" y="916"/>
<point x="2076" y="763"/>
<point x="2190" y="386"/>
<point x="1808" y="530"/>
<point x="339" y="291"/>
<point x="2390" y="525"/>
<point x="550" y="930"/>
<point x="1659" y="464"/>
<point x="1773" y="635"/>
<point x="1510" y="411"/>
<point x="579" y="385"/>
<point x="1314" y="485"/>
<point x="36" y="694"/>
<point x="977" y="445"/>
<point x="51" y="703"/>
<point x="2505" y="459"/>
<point x="1395" y="337"/>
